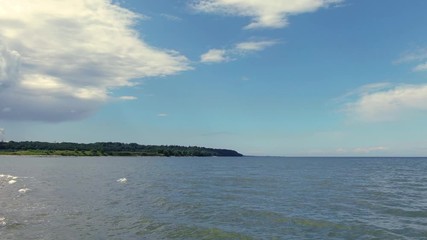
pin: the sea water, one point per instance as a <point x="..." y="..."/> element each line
<point x="212" y="198"/>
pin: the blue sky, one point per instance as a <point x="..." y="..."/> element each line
<point x="284" y="77"/>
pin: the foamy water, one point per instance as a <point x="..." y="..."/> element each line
<point x="6" y="188"/>
<point x="23" y="190"/>
<point x="2" y="221"/>
<point x="122" y="180"/>
<point x="213" y="198"/>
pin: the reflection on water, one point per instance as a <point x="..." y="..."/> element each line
<point x="213" y="198"/>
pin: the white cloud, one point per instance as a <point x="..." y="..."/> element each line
<point x="254" y="46"/>
<point x="362" y="150"/>
<point x="418" y="56"/>
<point x="214" y="56"/>
<point x="388" y="104"/>
<point x="171" y="17"/>
<point x="59" y="60"/>
<point x="264" y="13"/>
<point x="1" y="134"/>
<point x="128" y="98"/>
<point x="365" y="150"/>
<point x="368" y="88"/>
<point x="162" y="115"/>
<point x="225" y="55"/>
<point x="420" y="67"/>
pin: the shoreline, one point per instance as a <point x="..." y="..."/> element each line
<point x="31" y="153"/>
<point x="35" y="148"/>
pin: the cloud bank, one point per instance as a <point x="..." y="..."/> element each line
<point x="59" y="60"/>
<point x="264" y="14"/>
<point x="388" y="104"/>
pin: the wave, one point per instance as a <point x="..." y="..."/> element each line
<point x="12" y="181"/>
<point x="122" y="180"/>
<point x="23" y="190"/>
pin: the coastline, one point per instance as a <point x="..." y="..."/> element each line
<point x="32" y="148"/>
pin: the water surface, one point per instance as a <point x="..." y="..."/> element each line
<point x="213" y="198"/>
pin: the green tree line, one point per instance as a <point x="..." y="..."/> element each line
<point x="108" y="149"/>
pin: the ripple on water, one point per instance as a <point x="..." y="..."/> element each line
<point x="214" y="201"/>
<point x="2" y="221"/>
<point x="11" y="181"/>
<point x="193" y="232"/>
<point x="401" y="212"/>
<point x="23" y="190"/>
<point x="122" y="180"/>
<point x="150" y="229"/>
<point x="7" y="179"/>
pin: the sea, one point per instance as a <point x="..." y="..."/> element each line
<point x="212" y="198"/>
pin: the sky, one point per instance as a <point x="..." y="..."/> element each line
<point x="263" y="77"/>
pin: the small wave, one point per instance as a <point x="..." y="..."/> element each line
<point x="2" y="221"/>
<point x="184" y="232"/>
<point x="402" y="212"/>
<point x="122" y="180"/>
<point x="8" y="176"/>
<point x="12" y="181"/>
<point x="23" y="190"/>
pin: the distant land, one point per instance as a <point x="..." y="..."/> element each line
<point x="108" y="149"/>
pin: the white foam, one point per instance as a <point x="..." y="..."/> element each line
<point x="12" y="181"/>
<point x="8" y="176"/>
<point x="122" y="180"/>
<point x="24" y="190"/>
<point x="2" y="222"/>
